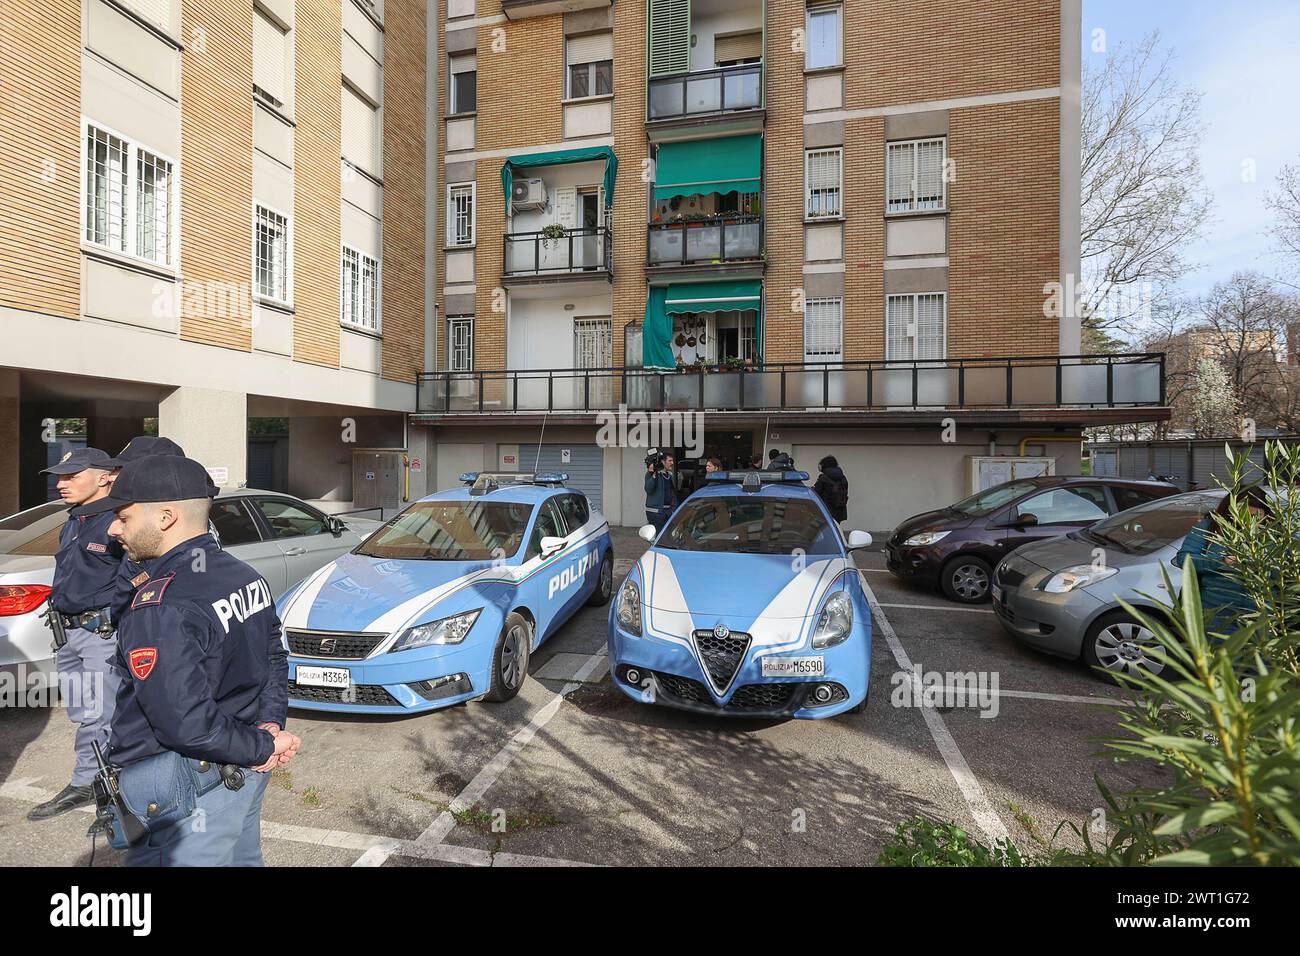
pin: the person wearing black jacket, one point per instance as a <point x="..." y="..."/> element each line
<point x="832" y="488"/>
<point x="779" y="461"/>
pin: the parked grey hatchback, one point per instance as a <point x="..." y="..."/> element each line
<point x="1062" y="595"/>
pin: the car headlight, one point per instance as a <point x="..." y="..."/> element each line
<point x="629" y="607"/>
<point x="449" y="630"/>
<point x="836" y="621"/>
<point x="1079" y="576"/>
<point x="924" y="538"/>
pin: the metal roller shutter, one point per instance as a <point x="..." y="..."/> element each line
<point x="585" y="468"/>
<point x="737" y="46"/>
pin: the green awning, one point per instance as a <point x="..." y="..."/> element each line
<point x="561" y="156"/>
<point x="657" y="332"/>
<point x="709" y="166"/>
<point x="724" y="295"/>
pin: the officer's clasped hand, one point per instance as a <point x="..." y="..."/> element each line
<point x="286" y="748"/>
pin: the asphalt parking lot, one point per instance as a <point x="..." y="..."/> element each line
<point x="573" y="772"/>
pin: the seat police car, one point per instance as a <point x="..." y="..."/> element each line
<point x="747" y="604"/>
<point x="445" y="602"/>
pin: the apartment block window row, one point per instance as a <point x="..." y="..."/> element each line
<point x="130" y="201"/>
<point x="825" y="37"/>
<point x="272" y="251"/>
<point x="590" y="65"/>
<point x="460" y="214"/>
<point x="916" y="327"/>
<point x="823" y="180"/>
<point x="823" y="329"/>
<point x="462" y="91"/>
<point x="914" y="174"/>
<point x="460" y="344"/>
<point x="360" y="290"/>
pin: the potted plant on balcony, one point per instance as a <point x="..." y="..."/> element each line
<point x="552" y="233"/>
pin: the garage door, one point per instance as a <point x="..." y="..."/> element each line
<point x="585" y="467"/>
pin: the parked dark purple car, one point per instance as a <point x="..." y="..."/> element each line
<point x="959" y="546"/>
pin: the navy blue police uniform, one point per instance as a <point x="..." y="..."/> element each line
<point x="85" y="569"/>
<point x="205" y="665"/>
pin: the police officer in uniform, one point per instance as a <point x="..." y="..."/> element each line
<point x="84" y="571"/>
<point x="202" y="707"/>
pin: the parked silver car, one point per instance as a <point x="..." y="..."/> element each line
<point x="283" y="538"/>
<point x="1062" y="595"/>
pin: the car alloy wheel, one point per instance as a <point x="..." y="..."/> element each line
<point x="1125" y="647"/>
<point x="970" y="582"/>
<point x="512" y="657"/>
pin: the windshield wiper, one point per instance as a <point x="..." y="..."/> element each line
<point x="1107" y="539"/>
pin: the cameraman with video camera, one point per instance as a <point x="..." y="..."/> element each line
<point x="660" y="494"/>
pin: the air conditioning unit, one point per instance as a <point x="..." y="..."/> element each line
<point x="528" y="194"/>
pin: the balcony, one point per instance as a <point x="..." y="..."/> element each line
<point x="707" y="93"/>
<point x="583" y="252"/>
<point x="711" y="240"/>
<point x="1043" y="389"/>
<point x="523" y="9"/>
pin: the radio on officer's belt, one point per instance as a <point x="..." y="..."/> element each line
<point x="54" y="621"/>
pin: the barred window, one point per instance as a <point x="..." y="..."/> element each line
<point x="460" y="214"/>
<point x="360" y="290"/>
<point x="823" y="329"/>
<point x="129" y="205"/>
<point x="916" y="327"/>
<point x="915" y="175"/>
<point x="822" y="181"/>
<point x="460" y="344"/>
<point x="271" y="261"/>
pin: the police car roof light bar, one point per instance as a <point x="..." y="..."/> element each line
<point x="751" y="481"/>
<point x="485" y="481"/>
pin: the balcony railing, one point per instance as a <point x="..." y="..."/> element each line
<point x="1052" y="381"/>
<point x="724" y="90"/>
<point x="727" y="238"/>
<point x="578" y="251"/>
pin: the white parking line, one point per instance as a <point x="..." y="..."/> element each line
<point x="985" y="816"/>
<point x="445" y="822"/>
<point x="940" y="607"/>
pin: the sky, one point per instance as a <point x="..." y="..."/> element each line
<point x="1245" y="58"/>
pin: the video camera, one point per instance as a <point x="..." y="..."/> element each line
<point x="655" y="459"/>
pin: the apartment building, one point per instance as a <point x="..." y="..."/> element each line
<point x="213" y="212"/>
<point x="832" y="228"/>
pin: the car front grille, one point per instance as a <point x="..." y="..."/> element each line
<point x="370" y="695"/>
<point x="762" y="697"/>
<point x="1009" y="576"/>
<point x="334" y="645"/>
<point x="749" y="698"/>
<point x="683" y="688"/>
<point x="721" y="656"/>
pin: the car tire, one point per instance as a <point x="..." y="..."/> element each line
<point x="966" y="579"/>
<point x="1118" y="643"/>
<point x="604" y="584"/>
<point x="510" y="658"/>
<point x="859" y="708"/>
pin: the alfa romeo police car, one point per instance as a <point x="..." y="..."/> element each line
<point x="446" y="601"/>
<point x="747" y="604"/>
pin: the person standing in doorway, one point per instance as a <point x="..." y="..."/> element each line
<point x="832" y="488"/>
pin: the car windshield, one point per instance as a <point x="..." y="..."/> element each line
<point x="750" y="524"/>
<point x="451" y="531"/>
<point x="1154" y="525"/>
<point x="991" y="499"/>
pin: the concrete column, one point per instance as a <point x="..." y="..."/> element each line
<point x="212" y="427"/>
<point x="9" y="475"/>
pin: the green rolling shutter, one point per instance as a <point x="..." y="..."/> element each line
<point x="670" y="37"/>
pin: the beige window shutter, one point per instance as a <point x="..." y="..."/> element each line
<point x="157" y="12"/>
<point x="592" y="48"/>
<point x="268" y="55"/>
<point x="737" y="46"/>
<point x="359" y="131"/>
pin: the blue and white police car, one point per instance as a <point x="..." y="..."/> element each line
<point x="445" y="602"/>
<point x="747" y="604"/>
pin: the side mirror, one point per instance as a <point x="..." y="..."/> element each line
<point x="859" y="539"/>
<point x="336" y="525"/>
<point x="1026" y="520"/>
<point x="551" y="545"/>
<point x="647" y="531"/>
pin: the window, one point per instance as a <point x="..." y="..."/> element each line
<point x="823" y="329"/>
<point x="463" y="90"/>
<point x="360" y="132"/>
<point x="575" y="510"/>
<point x="1126" y="498"/>
<point x="823" y="38"/>
<point x="1066" y="506"/>
<point x="590" y="62"/>
<point x="460" y="344"/>
<point x="916" y="327"/>
<point x="157" y="12"/>
<point x="730" y="49"/>
<point x="360" y="290"/>
<point x="288" y="520"/>
<point x="549" y="524"/>
<point x="271" y="255"/>
<point x="130" y="197"/>
<point x="460" y="214"/>
<point x="269" y="59"/>
<point x="233" y="522"/>
<point x="477" y="530"/>
<point x="914" y="175"/>
<point x="822" y="178"/>
<point x="750" y="524"/>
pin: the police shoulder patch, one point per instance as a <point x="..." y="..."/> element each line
<point x="152" y="593"/>
<point x="142" y="661"/>
<point x="139" y="579"/>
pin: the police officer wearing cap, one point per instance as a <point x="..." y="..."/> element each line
<point x="199" y="719"/>
<point x="85" y="569"/>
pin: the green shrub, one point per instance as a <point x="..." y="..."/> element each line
<point x="922" y="842"/>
